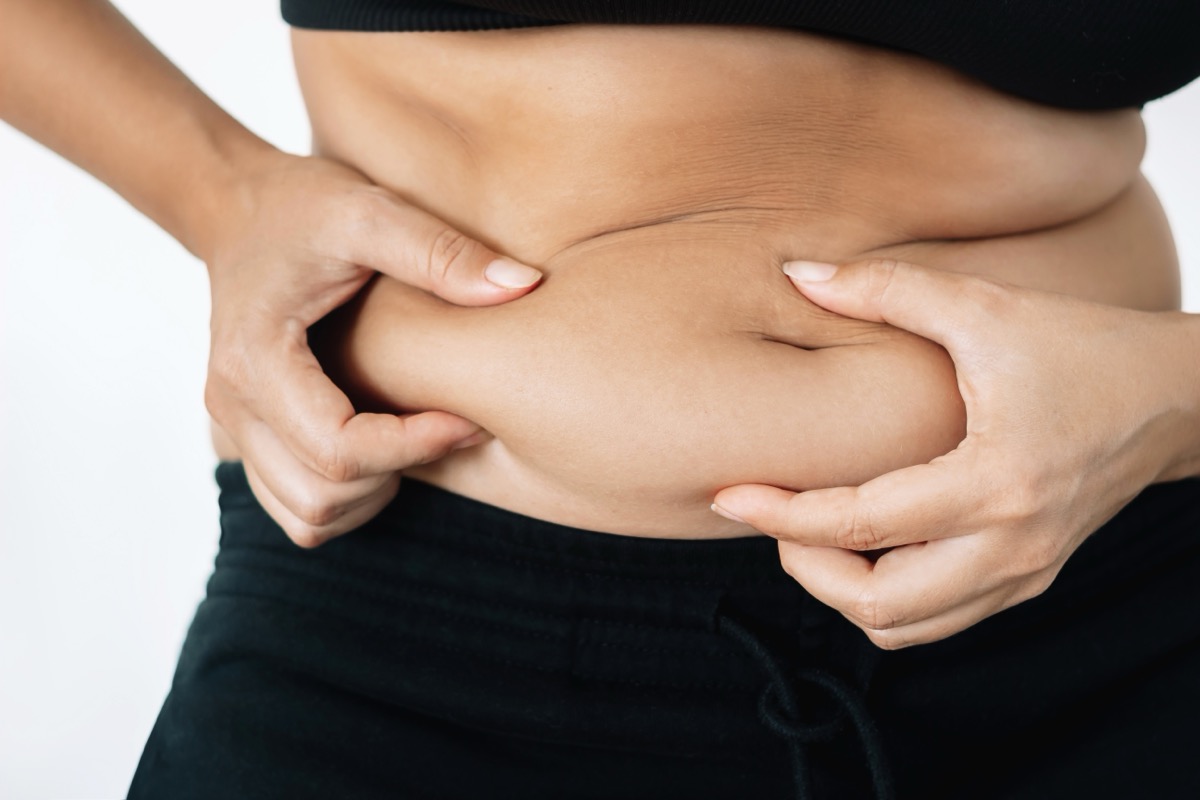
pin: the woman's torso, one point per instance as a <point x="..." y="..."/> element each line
<point x="659" y="176"/>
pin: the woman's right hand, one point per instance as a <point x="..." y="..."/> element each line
<point x="302" y="236"/>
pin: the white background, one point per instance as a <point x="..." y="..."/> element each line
<point x="108" y="517"/>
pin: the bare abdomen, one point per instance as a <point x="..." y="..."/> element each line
<point x="666" y="356"/>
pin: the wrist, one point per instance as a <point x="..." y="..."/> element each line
<point x="1180" y="349"/>
<point x="220" y="191"/>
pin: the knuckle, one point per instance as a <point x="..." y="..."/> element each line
<point x="1038" y="585"/>
<point x="871" y="612"/>
<point x="1021" y="501"/>
<point x="447" y="250"/>
<point x="304" y="535"/>
<point x="222" y="384"/>
<point x="331" y="462"/>
<point x="859" y="532"/>
<point x="224" y="367"/>
<point x="316" y="511"/>
<point x="1041" y="555"/>
<point x="214" y="400"/>
<point x="229" y="373"/>
<point x="787" y="559"/>
<point x="881" y="277"/>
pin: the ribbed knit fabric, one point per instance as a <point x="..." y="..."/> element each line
<point x="454" y="650"/>
<point x="1083" y="54"/>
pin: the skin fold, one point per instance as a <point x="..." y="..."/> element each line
<point x="666" y="356"/>
<point x="1019" y="285"/>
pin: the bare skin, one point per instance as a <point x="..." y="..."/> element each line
<point x="666" y="356"/>
<point x="661" y="177"/>
<point x="286" y="239"/>
<point x="1069" y="415"/>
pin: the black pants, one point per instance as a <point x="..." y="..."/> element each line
<point x="449" y="649"/>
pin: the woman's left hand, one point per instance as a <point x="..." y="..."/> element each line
<point x="1072" y="409"/>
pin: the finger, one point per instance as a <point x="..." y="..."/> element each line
<point x="308" y="497"/>
<point x="902" y="587"/>
<point x="993" y="593"/>
<point x="932" y="303"/>
<point x="419" y="249"/>
<point x="940" y="627"/>
<point x="916" y="504"/>
<point x="318" y="423"/>
<point x="307" y="535"/>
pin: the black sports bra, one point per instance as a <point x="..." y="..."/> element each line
<point x="1072" y="53"/>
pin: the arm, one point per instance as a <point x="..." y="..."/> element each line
<point x="1072" y="409"/>
<point x="77" y="77"/>
<point x="286" y="239"/>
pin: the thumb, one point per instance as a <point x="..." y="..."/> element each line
<point x="418" y="249"/>
<point x="931" y="303"/>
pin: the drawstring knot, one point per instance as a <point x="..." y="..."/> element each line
<point x="779" y="709"/>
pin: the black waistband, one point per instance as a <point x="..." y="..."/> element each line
<point x="679" y="633"/>
<point x="694" y="629"/>
<point x="558" y="587"/>
<point x="433" y="514"/>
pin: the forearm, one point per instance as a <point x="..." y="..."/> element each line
<point x="79" y="78"/>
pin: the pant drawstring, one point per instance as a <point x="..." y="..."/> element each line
<point x="779" y="710"/>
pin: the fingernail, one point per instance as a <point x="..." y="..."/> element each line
<point x="479" y="437"/>
<point x="508" y="274"/>
<point x="728" y="515"/>
<point x="809" y="271"/>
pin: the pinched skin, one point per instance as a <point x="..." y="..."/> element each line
<point x="666" y="356"/>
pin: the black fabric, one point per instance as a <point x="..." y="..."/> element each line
<point x="449" y="649"/>
<point x="1077" y="54"/>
